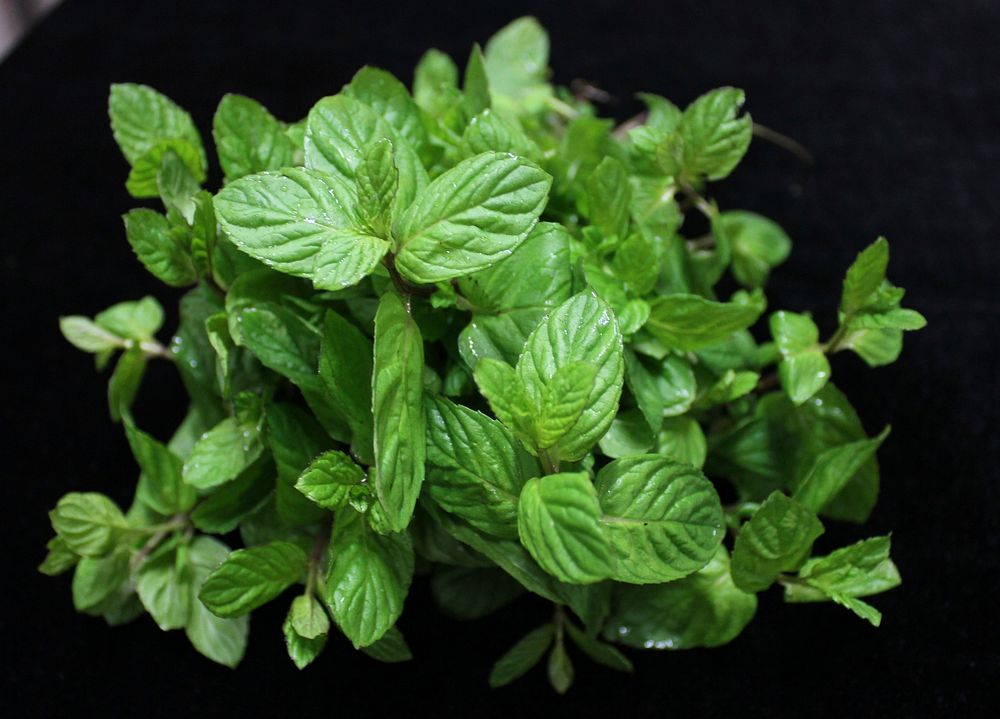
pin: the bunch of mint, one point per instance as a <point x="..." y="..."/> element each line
<point x="472" y="331"/>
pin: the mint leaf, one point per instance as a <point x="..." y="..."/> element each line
<point x="470" y="217"/>
<point x="478" y="468"/>
<point x="601" y="653"/>
<point x="522" y="657"/>
<point x="399" y="414"/>
<point x="663" y="519"/>
<point x="60" y="558"/>
<point x="368" y="578"/>
<point x="158" y="248"/>
<point x="308" y="617"/>
<point x="516" y="60"/>
<point x="690" y="322"/>
<point x="608" y="198"/>
<point x="86" y="335"/>
<point x="560" y="668"/>
<point x="221" y="454"/>
<point x="301" y="651"/>
<point x="389" y="98"/>
<point x="89" y="523"/>
<point x="705" y="609"/>
<point x="758" y="245"/>
<point x="329" y="479"/>
<point x="714" y="137"/>
<point x="582" y="329"/>
<point x="345" y="368"/>
<point x="301" y="222"/>
<point x="249" y="578"/>
<point x="161" y="485"/>
<point x="164" y="588"/>
<point x="248" y="138"/>
<point x="141" y="118"/>
<point x="858" y="570"/>
<point x="559" y="522"/>
<point x="378" y="181"/>
<point x="138" y="321"/>
<point x="865" y="276"/>
<point x="221" y="640"/>
<point x="804" y="368"/>
<point x="475" y="84"/>
<point x="472" y="592"/>
<point x="833" y="469"/>
<point x="777" y="538"/>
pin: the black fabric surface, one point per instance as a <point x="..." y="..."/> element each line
<point x="898" y="101"/>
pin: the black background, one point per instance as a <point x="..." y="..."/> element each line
<point x="899" y="102"/>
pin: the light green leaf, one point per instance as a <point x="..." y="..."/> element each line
<point x="378" y="181"/>
<point x="865" y="276"/>
<point x="858" y="570"/>
<point x="516" y="59"/>
<point x="144" y="179"/>
<point x="715" y="138"/>
<point x="161" y="486"/>
<point x="582" y="329"/>
<point x="60" y="558"/>
<point x="665" y="390"/>
<point x="338" y="131"/>
<point x="400" y="439"/>
<point x="705" y="609"/>
<point x="89" y="523"/>
<point x="249" y="578"/>
<point x="689" y="322"/>
<point x="470" y="217"/>
<point x="558" y="520"/>
<point x="435" y="83"/>
<point x="521" y="657"/>
<point x="301" y="222"/>
<point x="475" y="84"/>
<point x="141" y="117"/>
<point x="833" y="469"/>
<point x="125" y="381"/>
<point x="139" y="320"/>
<point x="158" y="249"/>
<point x="758" y="245"/>
<point x="248" y="138"/>
<point x="84" y="334"/>
<point x="328" y="481"/>
<point x="97" y="579"/>
<point x="301" y="651"/>
<point x="221" y="454"/>
<point x="478" y="467"/>
<point x="562" y="401"/>
<point x="663" y="518"/>
<point x="308" y="617"/>
<point x="628" y="435"/>
<point x="221" y="640"/>
<point x="682" y="439"/>
<point x="608" y="198"/>
<point x="390" y="100"/>
<point x="489" y="131"/>
<point x="777" y="538"/>
<point x="165" y="590"/>
<point x="177" y="186"/>
<point x="368" y="578"/>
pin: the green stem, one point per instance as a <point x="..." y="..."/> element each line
<point x="564" y="109"/>
<point x="833" y="344"/>
<point x="704" y="206"/>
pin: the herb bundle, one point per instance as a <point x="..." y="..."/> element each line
<point x="472" y="331"/>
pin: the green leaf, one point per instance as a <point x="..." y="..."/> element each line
<point x="858" y="570"/>
<point x="682" y="439"/>
<point x="89" y="523"/>
<point x="248" y="138"/>
<point x="663" y="518"/>
<point x="629" y="434"/>
<point x="97" y="579"/>
<point x="249" y="578"/>
<point x="865" y="276"/>
<point x="435" y="83"/>
<point x="478" y="468"/>
<point x="301" y="222"/>
<point x="338" y="131"/>
<point x="689" y="322"/>
<point x="758" y="245"/>
<point x="804" y="368"/>
<point x="470" y="217"/>
<point x="221" y="454"/>
<point x="308" y="617"/>
<point x="559" y="522"/>
<point x="777" y="539"/>
<point x="227" y="506"/>
<point x="472" y="592"/>
<point x="221" y="640"/>
<point x="601" y="653"/>
<point x="301" y="651"/>
<point x="560" y="668"/>
<point x="608" y="198"/>
<point x="139" y="320"/>
<point x="389" y="98"/>
<point x="86" y="335"/>
<point x="345" y="367"/>
<point x="391" y="648"/>
<point x="833" y="469"/>
<point x="563" y="400"/>
<point x="582" y="329"/>
<point x="60" y="558"/>
<point x="161" y="486"/>
<point x="522" y="657"/>
<point x="665" y="390"/>
<point x="144" y="179"/>
<point x="715" y="138"/>
<point x="705" y="609"/>
<point x="516" y="60"/>
<point x="125" y="381"/>
<point x="177" y="186"/>
<point x="475" y="84"/>
<point x="368" y="578"/>
<point x="158" y="249"/>
<point x="400" y="442"/>
<point x="489" y="131"/>
<point x="164" y="588"/>
<point x="328" y="481"/>
<point x="378" y="181"/>
<point x="141" y="117"/>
